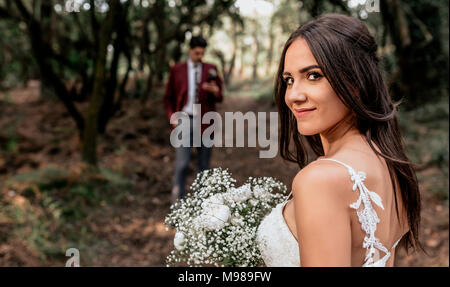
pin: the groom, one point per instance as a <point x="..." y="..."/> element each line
<point x="191" y="82"/>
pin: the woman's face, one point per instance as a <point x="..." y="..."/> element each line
<point x="309" y="95"/>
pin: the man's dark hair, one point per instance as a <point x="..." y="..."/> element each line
<point x="197" y="41"/>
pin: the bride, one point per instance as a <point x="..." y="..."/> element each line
<point x="360" y="198"/>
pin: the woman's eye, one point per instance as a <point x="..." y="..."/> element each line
<point x="289" y="81"/>
<point x="314" y="76"/>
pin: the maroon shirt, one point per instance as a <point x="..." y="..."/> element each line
<point x="176" y="94"/>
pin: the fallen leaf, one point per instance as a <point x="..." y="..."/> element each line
<point x="432" y="243"/>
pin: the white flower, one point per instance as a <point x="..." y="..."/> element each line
<point x="178" y="240"/>
<point x="236" y="220"/>
<point x="261" y="193"/>
<point x="212" y="201"/>
<point x="253" y="202"/>
<point x="239" y="194"/>
<point x="215" y="217"/>
<point x="214" y="214"/>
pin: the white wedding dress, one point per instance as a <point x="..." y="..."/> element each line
<point x="279" y="248"/>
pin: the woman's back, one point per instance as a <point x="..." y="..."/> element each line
<point x="356" y="155"/>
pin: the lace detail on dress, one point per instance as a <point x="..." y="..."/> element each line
<point x="277" y="244"/>
<point x="368" y="218"/>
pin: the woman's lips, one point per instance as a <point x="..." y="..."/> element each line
<point x="303" y="112"/>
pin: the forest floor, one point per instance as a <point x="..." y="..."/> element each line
<point x="130" y="231"/>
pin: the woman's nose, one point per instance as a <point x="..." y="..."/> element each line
<point x="297" y="94"/>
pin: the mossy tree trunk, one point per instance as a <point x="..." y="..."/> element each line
<point x="89" y="139"/>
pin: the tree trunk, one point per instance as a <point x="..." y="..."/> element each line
<point x="121" y="28"/>
<point x="257" y="48"/>
<point x="42" y="53"/>
<point x="242" y="56"/>
<point x="89" y="149"/>
<point x="230" y="69"/>
<point x="270" y="52"/>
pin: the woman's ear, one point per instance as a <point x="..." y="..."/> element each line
<point x="353" y="118"/>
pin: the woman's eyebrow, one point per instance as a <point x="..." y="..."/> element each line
<point x="305" y="69"/>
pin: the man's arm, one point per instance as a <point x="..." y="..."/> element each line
<point x="219" y="96"/>
<point x="169" y="95"/>
<point x="214" y="88"/>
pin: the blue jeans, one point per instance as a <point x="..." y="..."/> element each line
<point x="182" y="159"/>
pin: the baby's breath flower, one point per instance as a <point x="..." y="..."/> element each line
<point x="217" y="223"/>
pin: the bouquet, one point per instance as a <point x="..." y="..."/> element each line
<point x="216" y="223"/>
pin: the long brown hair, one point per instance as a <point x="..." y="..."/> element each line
<point x="346" y="52"/>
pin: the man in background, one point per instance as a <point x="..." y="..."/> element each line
<point x="191" y="82"/>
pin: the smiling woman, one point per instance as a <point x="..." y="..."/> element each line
<point x="330" y="92"/>
<point x="309" y="95"/>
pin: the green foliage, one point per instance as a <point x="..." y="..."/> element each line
<point x="11" y="142"/>
<point x="16" y="63"/>
<point x="289" y="16"/>
<point x="11" y="145"/>
<point x="261" y="88"/>
<point x="47" y="207"/>
<point x="425" y="130"/>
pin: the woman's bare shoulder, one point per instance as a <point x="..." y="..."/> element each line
<point x="323" y="178"/>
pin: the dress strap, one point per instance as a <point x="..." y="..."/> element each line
<point x="289" y="196"/>
<point x="366" y="214"/>
<point x="340" y="162"/>
<point x="395" y="244"/>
